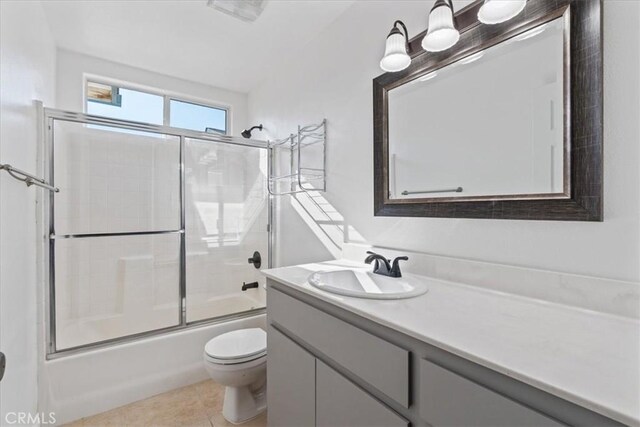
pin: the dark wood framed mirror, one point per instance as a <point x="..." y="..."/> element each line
<point x="507" y="124"/>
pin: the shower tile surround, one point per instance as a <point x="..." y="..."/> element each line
<point x="523" y="323"/>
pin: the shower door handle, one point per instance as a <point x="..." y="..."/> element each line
<point x="256" y="260"/>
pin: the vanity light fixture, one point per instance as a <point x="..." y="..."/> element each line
<point x="396" y="56"/>
<point x="497" y="11"/>
<point x="441" y="31"/>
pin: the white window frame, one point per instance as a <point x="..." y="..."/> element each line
<point x="167" y="97"/>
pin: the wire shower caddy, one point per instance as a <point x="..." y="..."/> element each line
<point x="300" y="177"/>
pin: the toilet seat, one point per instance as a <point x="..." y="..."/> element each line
<point x="239" y="346"/>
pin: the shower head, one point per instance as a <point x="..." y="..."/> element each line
<point x="247" y="132"/>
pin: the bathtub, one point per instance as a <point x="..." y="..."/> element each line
<point x="144" y="315"/>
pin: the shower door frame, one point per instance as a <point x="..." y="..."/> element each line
<point x="50" y="116"/>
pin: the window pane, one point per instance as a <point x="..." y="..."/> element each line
<point x="197" y="117"/>
<point x="111" y="287"/>
<point x="113" y="181"/>
<point x="134" y="105"/>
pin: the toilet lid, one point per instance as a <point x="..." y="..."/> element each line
<point x="237" y="344"/>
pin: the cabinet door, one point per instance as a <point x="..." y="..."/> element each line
<point x="340" y="403"/>
<point x="291" y="386"/>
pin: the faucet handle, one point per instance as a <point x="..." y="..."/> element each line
<point x="373" y="255"/>
<point x="381" y="263"/>
<point x="395" y="268"/>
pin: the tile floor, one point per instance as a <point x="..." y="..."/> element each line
<point x="197" y="405"/>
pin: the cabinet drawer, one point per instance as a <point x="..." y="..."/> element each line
<point x="340" y="403"/>
<point x="381" y="364"/>
<point x="447" y="399"/>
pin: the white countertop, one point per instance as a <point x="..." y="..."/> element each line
<point x="586" y="357"/>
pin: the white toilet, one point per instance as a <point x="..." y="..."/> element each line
<point x="238" y="360"/>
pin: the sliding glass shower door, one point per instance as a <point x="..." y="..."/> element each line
<point x="151" y="230"/>
<point x="226" y="220"/>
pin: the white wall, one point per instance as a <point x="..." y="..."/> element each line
<point x="333" y="79"/>
<point x="27" y="68"/>
<point x="72" y="67"/>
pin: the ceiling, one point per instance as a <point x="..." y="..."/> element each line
<point x="187" y="39"/>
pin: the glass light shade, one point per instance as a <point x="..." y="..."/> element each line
<point x="395" y="56"/>
<point x="442" y="33"/>
<point x="497" y="11"/>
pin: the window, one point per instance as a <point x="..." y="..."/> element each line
<point x="133" y="105"/>
<point x="197" y="117"/>
<point x="140" y="106"/>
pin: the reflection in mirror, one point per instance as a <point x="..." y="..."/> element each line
<point x="504" y="136"/>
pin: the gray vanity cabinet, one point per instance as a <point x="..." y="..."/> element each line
<point x="303" y="392"/>
<point x="329" y="367"/>
<point x="380" y="363"/>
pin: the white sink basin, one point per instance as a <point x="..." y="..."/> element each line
<point x="365" y="284"/>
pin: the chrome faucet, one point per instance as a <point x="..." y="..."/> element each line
<point x="384" y="266"/>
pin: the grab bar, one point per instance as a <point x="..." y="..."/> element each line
<point x="27" y="178"/>
<point x="453" y="190"/>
